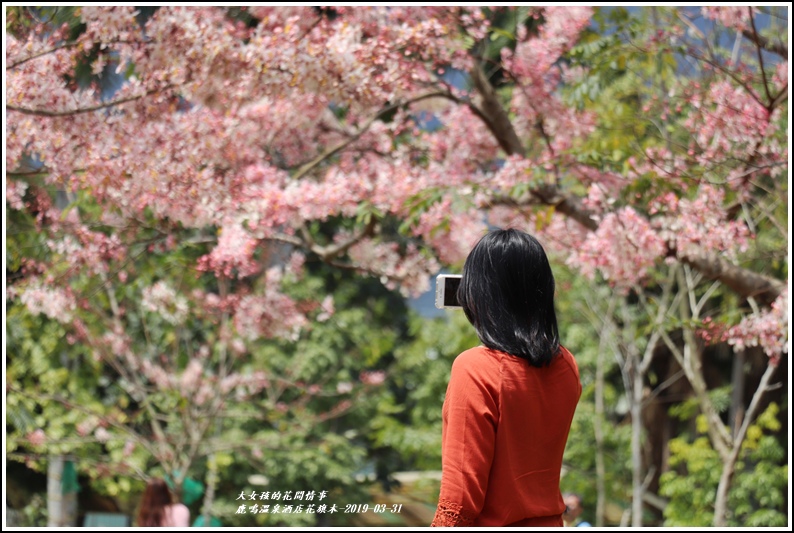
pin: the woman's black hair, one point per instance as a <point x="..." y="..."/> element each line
<point x="507" y="293"/>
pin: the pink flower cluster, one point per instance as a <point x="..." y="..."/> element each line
<point x="623" y="249"/>
<point x="699" y="225"/>
<point x="451" y="233"/>
<point x="463" y="145"/>
<point x="233" y="253"/>
<point x="515" y="170"/>
<point x="327" y="309"/>
<point x="730" y="125"/>
<point x="372" y="377"/>
<point x="597" y="200"/>
<point x="117" y="343"/>
<point x="82" y="248"/>
<point x="37" y="437"/>
<point x="15" y="192"/>
<point x="40" y="297"/>
<point x="737" y="17"/>
<point x="535" y="57"/>
<point x="268" y="315"/>
<point x="162" y="299"/>
<point x="191" y="377"/>
<point x="768" y="329"/>
<point x="199" y="385"/>
<point x="409" y="271"/>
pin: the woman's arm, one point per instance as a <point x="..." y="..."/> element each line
<point x="468" y="433"/>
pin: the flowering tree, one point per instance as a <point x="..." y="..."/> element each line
<point x="237" y="131"/>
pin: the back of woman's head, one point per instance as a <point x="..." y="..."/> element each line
<point x="156" y="498"/>
<point x="507" y="293"/>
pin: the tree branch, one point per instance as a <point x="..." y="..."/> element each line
<point x="40" y="54"/>
<point x="308" y="167"/>
<point x="73" y="405"/>
<point x="48" y="113"/>
<point x="776" y="47"/>
<point x="742" y="281"/>
<point x="494" y="115"/>
<point x="761" y="61"/>
<point x="328" y="252"/>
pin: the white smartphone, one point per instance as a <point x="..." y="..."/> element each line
<point x="447" y="290"/>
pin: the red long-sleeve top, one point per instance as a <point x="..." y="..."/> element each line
<point x="505" y="425"/>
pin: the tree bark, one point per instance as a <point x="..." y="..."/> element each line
<point x="636" y="442"/>
<point x="598" y="421"/>
<point x="61" y="508"/>
<point x="209" y="495"/>
<point x="729" y="467"/>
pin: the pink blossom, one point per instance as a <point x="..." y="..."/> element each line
<point x="234" y="253"/>
<point x="699" y="225"/>
<point x="327" y="307"/>
<point x="732" y="17"/>
<point x="374" y="377"/>
<point x="83" y="248"/>
<point x="768" y="329"/>
<point x="206" y="392"/>
<point x="515" y="170"/>
<point x="450" y="232"/>
<point x="162" y="299"/>
<point x="37" y="437"/>
<point x="295" y="264"/>
<point x="58" y="304"/>
<point x="731" y="124"/>
<point x="410" y="272"/>
<point x="238" y="346"/>
<point x="229" y="383"/>
<point x="156" y="374"/>
<point x="15" y="192"/>
<point x="86" y="426"/>
<point x="101" y="434"/>
<point x="597" y="200"/>
<point x="191" y="377"/>
<point x="271" y="314"/>
<point x="129" y="447"/>
<point x="623" y="249"/>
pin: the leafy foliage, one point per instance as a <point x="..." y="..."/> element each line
<point x="756" y="497"/>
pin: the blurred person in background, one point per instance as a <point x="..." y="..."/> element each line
<point x="158" y="509"/>
<point x="573" y="508"/>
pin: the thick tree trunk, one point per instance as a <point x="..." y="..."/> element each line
<point x="61" y="508"/>
<point x="54" y="493"/>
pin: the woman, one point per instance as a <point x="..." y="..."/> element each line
<point x="158" y="508"/>
<point x="509" y="402"/>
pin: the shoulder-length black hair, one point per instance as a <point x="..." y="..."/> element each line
<point x="507" y="293"/>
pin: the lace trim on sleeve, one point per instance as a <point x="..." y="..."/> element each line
<point x="450" y="514"/>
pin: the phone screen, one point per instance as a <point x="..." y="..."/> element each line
<point x="451" y="292"/>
